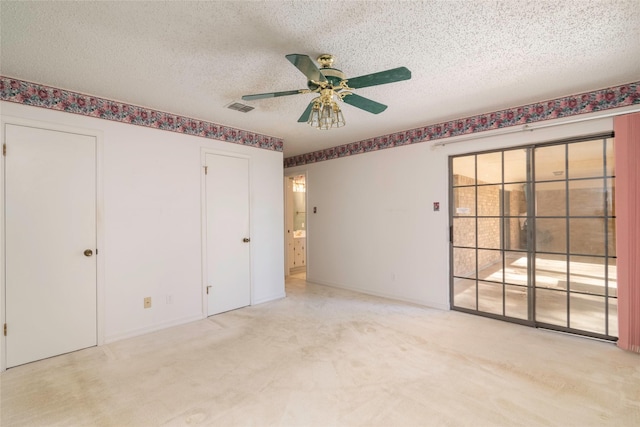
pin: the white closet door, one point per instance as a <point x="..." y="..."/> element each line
<point x="50" y="213"/>
<point x="228" y="245"/>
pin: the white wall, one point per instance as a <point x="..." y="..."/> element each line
<point x="152" y="221"/>
<point x="375" y="230"/>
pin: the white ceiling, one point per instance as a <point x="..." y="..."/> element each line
<point x="194" y="58"/>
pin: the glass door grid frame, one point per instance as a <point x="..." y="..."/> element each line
<point x="531" y="249"/>
<point x="606" y="217"/>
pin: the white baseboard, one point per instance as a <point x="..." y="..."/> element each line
<point x="430" y="304"/>
<point x="270" y="298"/>
<point x="152" y="328"/>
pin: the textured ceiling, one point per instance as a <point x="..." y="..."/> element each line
<point x="194" y="58"/>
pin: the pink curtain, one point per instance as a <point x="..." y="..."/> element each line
<point x="627" y="154"/>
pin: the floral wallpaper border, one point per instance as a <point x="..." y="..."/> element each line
<point x="27" y="93"/>
<point x="599" y="100"/>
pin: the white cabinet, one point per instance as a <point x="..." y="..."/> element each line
<point x="300" y="253"/>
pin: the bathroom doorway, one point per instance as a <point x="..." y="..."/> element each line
<point x="296" y="226"/>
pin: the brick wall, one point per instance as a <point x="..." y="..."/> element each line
<point x="488" y="233"/>
<point x="586" y="235"/>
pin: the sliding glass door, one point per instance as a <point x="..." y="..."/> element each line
<point x="533" y="236"/>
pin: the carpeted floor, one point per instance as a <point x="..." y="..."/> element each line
<point x="327" y="357"/>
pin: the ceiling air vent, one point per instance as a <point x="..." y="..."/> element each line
<point x="240" y="107"/>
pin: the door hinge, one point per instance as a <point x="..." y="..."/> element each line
<point x="4" y="149"/>
<point x="5" y="329"/>
<point x="205" y="169"/>
<point x="451" y="234"/>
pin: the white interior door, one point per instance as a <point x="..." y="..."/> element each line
<point x="50" y="214"/>
<point x="228" y="245"/>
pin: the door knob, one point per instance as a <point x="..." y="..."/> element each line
<point x="246" y="240"/>
<point x="88" y="252"/>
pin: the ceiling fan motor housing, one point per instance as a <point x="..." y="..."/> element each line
<point x="333" y="75"/>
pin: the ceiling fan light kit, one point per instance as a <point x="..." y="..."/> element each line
<point x="332" y="85"/>
<point x="325" y="112"/>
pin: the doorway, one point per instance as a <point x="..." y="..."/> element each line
<point x="50" y="206"/>
<point x="296" y="226"/>
<point x="533" y="235"/>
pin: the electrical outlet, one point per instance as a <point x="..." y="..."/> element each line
<point x="147" y="302"/>
<point x="169" y="299"/>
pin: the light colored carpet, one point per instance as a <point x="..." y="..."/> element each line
<point x="327" y="357"/>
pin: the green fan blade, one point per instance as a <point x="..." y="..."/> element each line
<point x="364" y="103"/>
<point x="305" y="116"/>
<point x="307" y="66"/>
<point x="272" y="94"/>
<point x="381" y="78"/>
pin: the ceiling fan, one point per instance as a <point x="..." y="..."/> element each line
<point x="330" y="83"/>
